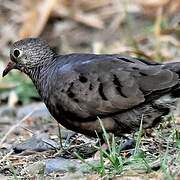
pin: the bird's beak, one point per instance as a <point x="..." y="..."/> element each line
<point x="11" y="65"/>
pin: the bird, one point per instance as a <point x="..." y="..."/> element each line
<point x="79" y="88"/>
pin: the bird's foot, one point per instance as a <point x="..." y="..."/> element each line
<point x="97" y="154"/>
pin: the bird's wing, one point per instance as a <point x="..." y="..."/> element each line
<point x="105" y="85"/>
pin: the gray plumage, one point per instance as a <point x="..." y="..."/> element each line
<point x="78" y="88"/>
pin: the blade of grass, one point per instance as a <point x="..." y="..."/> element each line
<point x="164" y="162"/>
<point x="13" y="170"/>
<point x="105" y="134"/>
<point x="137" y="146"/>
<point x="102" y="172"/>
<point x="112" y="155"/>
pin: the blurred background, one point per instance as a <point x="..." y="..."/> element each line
<point x="148" y="29"/>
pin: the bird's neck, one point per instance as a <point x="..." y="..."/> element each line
<point x="40" y="76"/>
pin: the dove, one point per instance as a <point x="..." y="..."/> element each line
<point x="79" y="88"/>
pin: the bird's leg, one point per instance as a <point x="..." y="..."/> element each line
<point x="128" y="144"/>
<point x="103" y="144"/>
<point x="97" y="154"/>
<point x="60" y="137"/>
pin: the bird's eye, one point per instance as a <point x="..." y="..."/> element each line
<point x="17" y="53"/>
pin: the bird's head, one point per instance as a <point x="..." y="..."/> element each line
<point x="28" y="53"/>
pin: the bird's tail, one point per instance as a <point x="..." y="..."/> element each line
<point x="173" y="66"/>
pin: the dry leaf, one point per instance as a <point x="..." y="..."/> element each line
<point x="151" y="7"/>
<point x="37" y="18"/>
<point x="89" y="19"/>
<point x="76" y="14"/>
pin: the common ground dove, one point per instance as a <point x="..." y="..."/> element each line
<point x="78" y="88"/>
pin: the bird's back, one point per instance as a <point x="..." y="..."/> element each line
<point x="115" y="88"/>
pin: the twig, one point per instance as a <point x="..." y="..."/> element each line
<point x="25" y="128"/>
<point x="6" y="156"/>
<point x="15" y="126"/>
<point x="37" y="18"/>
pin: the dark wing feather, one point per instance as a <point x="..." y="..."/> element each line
<point x="105" y="85"/>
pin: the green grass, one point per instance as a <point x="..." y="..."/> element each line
<point x="166" y="157"/>
<point x="13" y="170"/>
<point x="112" y="154"/>
<point x="24" y="87"/>
<point x="112" y="162"/>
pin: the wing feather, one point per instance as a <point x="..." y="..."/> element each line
<point x="108" y="84"/>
